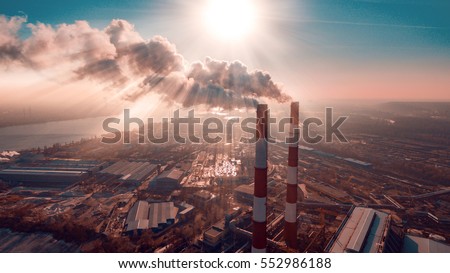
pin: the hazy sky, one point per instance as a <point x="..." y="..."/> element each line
<point x="313" y="49"/>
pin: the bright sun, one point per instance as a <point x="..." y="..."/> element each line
<point x="230" y="19"/>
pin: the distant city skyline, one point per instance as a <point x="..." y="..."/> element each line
<point x="312" y="50"/>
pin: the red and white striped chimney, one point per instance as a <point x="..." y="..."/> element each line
<point x="290" y="216"/>
<point x="260" y="192"/>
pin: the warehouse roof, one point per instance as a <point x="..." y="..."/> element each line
<point x="362" y="232"/>
<point x="248" y="189"/>
<point x="144" y="215"/>
<point x="160" y="213"/>
<point x="415" y="244"/>
<point x="131" y="171"/>
<point x="138" y="216"/>
<point x="31" y="171"/>
<point x="171" y="174"/>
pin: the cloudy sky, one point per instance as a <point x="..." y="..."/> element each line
<point x="216" y="54"/>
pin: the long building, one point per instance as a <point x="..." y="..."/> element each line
<point x="363" y="230"/>
<point x="36" y="177"/>
<point x="415" y="244"/>
<point x="90" y="166"/>
<point x="51" y="173"/>
<point x="132" y="172"/>
<point x="244" y="194"/>
<point x="332" y="192"/>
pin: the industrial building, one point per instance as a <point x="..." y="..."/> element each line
<point x="213" y="236"/>
<point x="167" y="181"/>
<point x="132" y="172"/>
<point x="244" y="194"/>
<point x="203" y="198"/>
<point x="37" y="177"/>
<point x="358" y="163"/>
<point x="352" y="161"/>
<point x="331" y="192"/>
<point x="90" y="166"/>
<point x="137" y="217"/>
<point x="363" y="230"/>
<point x="186" y="211"/>
<point x="52" y="173"/>
<point x="415" y="244"/>
<point x="154" y="216"/>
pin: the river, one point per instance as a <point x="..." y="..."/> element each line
<point x="17" y="138"/>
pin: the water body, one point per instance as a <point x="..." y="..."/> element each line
<point x="17" y="138"/>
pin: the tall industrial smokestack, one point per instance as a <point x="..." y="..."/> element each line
<point x="290" y="216"/>
<point x="260" y="192"/>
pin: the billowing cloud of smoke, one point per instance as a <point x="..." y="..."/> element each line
<point x="118" y="57"/>
<point x="10" y="44"/>
<point x="234" y="76"/>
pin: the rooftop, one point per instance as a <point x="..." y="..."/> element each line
<point x="248" y="189"/>
<point x="186" y="208"/>
<point x="363" y="231"/>
<point x="32" y="171"/>
<point x="205" y="195"/>
<point x="171" y="174"/>
<point x="359" y="162"/>
<point x="415" y="244"/>
<point x="131" y="171"/>
<point x="213" y="232"/>
<point x="144" y="215"/>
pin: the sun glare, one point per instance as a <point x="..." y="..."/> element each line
<point x="230" y="19"/>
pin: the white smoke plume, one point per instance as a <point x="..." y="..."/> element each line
<point x="118" y="56"/>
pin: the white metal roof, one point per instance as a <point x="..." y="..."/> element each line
<point x="144" y="215"/>
<point x="362" y="232"/>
